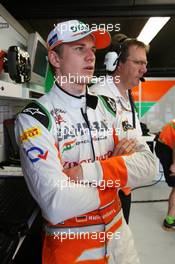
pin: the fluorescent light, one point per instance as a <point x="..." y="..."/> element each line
<point x="151" y="28"/>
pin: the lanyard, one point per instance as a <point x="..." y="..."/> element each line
<point x="132" y="109"/>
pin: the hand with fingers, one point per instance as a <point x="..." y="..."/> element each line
<point x="125" y="146"/>
<point x="75" y="173"/>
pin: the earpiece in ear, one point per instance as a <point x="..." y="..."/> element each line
<point x="111" y="59"/>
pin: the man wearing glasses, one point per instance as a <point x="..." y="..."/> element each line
<point x="126" y="64"/>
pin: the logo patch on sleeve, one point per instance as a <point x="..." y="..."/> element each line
<point x="37" y="111"/>
<point x="30" y="133"/>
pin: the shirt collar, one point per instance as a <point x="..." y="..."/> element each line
<point x="74" y="101"/>
<point x="113" y="87"/>
<point x="117" y="95"/>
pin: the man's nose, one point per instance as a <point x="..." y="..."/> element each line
<point x="144" y="68"/>
<point x="90" y="55"/>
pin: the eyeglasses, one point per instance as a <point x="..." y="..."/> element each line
<point x="139" y="62"/>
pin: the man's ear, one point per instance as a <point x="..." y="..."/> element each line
<point x="54" y="58"/>
<point x="119" y="65"/>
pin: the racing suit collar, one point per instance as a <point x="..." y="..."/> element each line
<point x="91" y="100"/>
<point x="74" y="101"/>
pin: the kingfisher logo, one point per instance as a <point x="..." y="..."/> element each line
<point x="30" y="133"/>
<point x="36" y="153"/>
<point x="68" y="145"/>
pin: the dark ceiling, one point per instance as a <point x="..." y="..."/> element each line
<point x="130" y="14"/>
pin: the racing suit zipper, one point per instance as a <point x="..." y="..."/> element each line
<point x="85" y="116"/>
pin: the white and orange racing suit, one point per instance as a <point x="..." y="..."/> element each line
<point x="82" y="220"/>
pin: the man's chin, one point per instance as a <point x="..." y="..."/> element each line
<point x="82" y="83"/>
<point x="136" y="83"/>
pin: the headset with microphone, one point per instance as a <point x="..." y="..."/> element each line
<point x="112" y="57"/>
<point x="111" y="61"/>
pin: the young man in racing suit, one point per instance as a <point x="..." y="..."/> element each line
<point x="70" y="132"/>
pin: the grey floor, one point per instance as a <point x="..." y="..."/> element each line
<point x="154" y="245"/>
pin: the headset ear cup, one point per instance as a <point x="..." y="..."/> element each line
<point x="12" y="62"/>
<point x="110" y="61"/>
<point x="28" y="70"/>
<point x="18" y="64"/>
